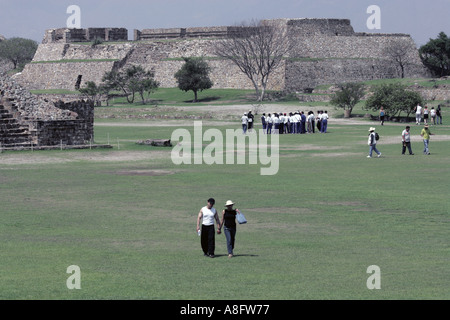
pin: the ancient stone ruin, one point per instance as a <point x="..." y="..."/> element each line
<point x="326" y="51"/>
<point x="27" y="122"/>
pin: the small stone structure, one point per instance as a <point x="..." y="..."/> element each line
<point x="29" y="122"/>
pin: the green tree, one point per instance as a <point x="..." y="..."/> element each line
<point x="91" y="91"/>
<point x="140" y="81"/>
<point x="348" y="96"/>
<point x="394" y="98"/>
<point x="435" y="55"/>
<point x="131" y="81"/>
<point x="194" y="76"/>
<point x="18" y="50"/>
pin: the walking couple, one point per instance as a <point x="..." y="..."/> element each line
<point x="208" y="215"/>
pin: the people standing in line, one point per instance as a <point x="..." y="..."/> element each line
<point x="269" y="123"/>
<point x="372" y="142"/>
<point x="406" y="141"/>
<point x="244" y="121"/>
<point x="291" y="123"/>
<point x="418" y="110"/>
<point x="229" y="224"/>
<point x="425" y="115"/>
<point x="319" y="120"/>
<point x="295" y="119"/>
<point x="276" y="123"/>
<point x="303" y="123"/>
<point x="298" y="118"/>
<point x="433" y="115"/>
<point x="439" y="114"/>
<point x="310" y="122"/>
<point x="251" y="119"/>
<point x="281" y="125"/>
<point x="324" y="124"/>
<point x="264" y="122"/>
<point x="426" y="133"/>
<point x="286" y="123"/>
<point x="208" y="215"/>
<point x="382" y="115"/>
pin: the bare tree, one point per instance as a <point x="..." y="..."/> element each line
<point x="257" y="49"/>
<point x="399" y="53"/>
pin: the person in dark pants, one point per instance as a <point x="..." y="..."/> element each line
<point x="251" y="120"/>
<point x="303" y="123"/>
<point x="406" y="141"/>
<point x="208" y="214"/>
<point x="229" y="221"/>
<point x="264" y="122"/>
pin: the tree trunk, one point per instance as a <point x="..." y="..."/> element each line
<point x="347" y="113"/>
<point x="195" y="96"/>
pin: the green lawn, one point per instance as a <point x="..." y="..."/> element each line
<point x="127" y="218"/>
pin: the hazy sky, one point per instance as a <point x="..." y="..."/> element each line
<point x="30" y="18"/>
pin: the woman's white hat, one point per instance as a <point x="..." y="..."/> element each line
<point x="372" y="129"/>
<point x="229" y="203"/>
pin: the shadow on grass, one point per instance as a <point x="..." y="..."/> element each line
<point x="206" y="99"/>
<point x="235" y="255"/>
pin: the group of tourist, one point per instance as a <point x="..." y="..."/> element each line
<point x="406" y="141"/>
<point x="288" y="123"/>
<point x="435" y="115"/>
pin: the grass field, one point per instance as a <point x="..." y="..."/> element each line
<point x="126" y="216"/>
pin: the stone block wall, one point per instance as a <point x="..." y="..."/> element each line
<point x="71" y="35"/>
<point x="47" y="123"/>
<point x="56" y="132"/>
<point x="324" y="51"/>
<point x="63" y="75"/>
<point x="311" y="73"/>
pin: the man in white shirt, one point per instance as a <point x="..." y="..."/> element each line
<point x="406" y="140"/>
<point x="207" y="236"/>
<point x="291" y="123"/>
<point x="324" y="125"/>
<point x="295" y="123"/>
<point x="244" y="120"/>
<point x="418" y="114"/>
<point x="276" y="123"/>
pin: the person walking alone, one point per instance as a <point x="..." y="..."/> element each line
<point x="418" y="110"/>
<point x="425" y="133"/>
<point x="439" y="115"/>
<point x="372" y="142"/>
<point x="406" y="141"/>
<point x="244" y="121"/>
<point x="207" y="236"/>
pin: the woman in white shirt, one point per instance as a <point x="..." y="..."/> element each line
<point x="207" y="236"/>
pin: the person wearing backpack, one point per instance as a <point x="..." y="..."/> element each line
<point x="372" y="142"/>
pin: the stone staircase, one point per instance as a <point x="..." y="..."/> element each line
<point x="12" y="134"/>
